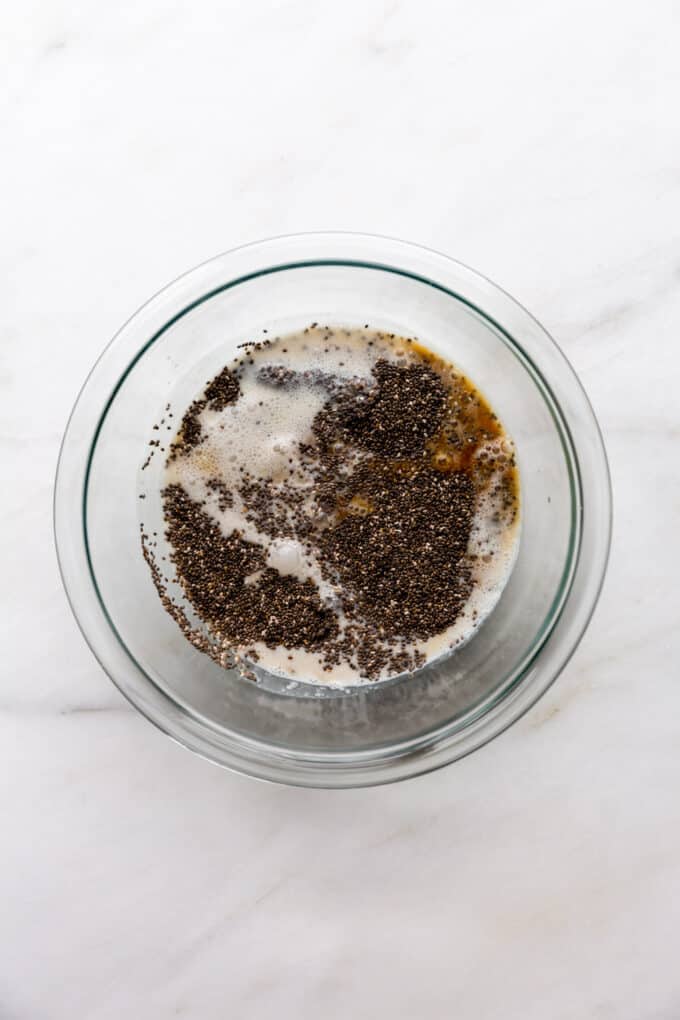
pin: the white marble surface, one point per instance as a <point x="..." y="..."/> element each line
<point x="539" y="143"/>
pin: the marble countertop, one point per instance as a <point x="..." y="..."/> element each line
<point x="538" y="143"/>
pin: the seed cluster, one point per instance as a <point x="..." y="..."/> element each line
<point x="402" y="563"/>
<point x="224" y="389"/>
<point x="394" y="418"/>
<point x="216" y="573"/>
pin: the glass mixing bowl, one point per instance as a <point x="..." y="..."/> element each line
<point x="310" y="735"/>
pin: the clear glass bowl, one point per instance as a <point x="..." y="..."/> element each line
<point x="314" y="736"/>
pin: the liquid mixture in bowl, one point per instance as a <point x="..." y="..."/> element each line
<point x="341" y="506"/>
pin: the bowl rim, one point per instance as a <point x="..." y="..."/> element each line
<point x="437" y="747"/>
